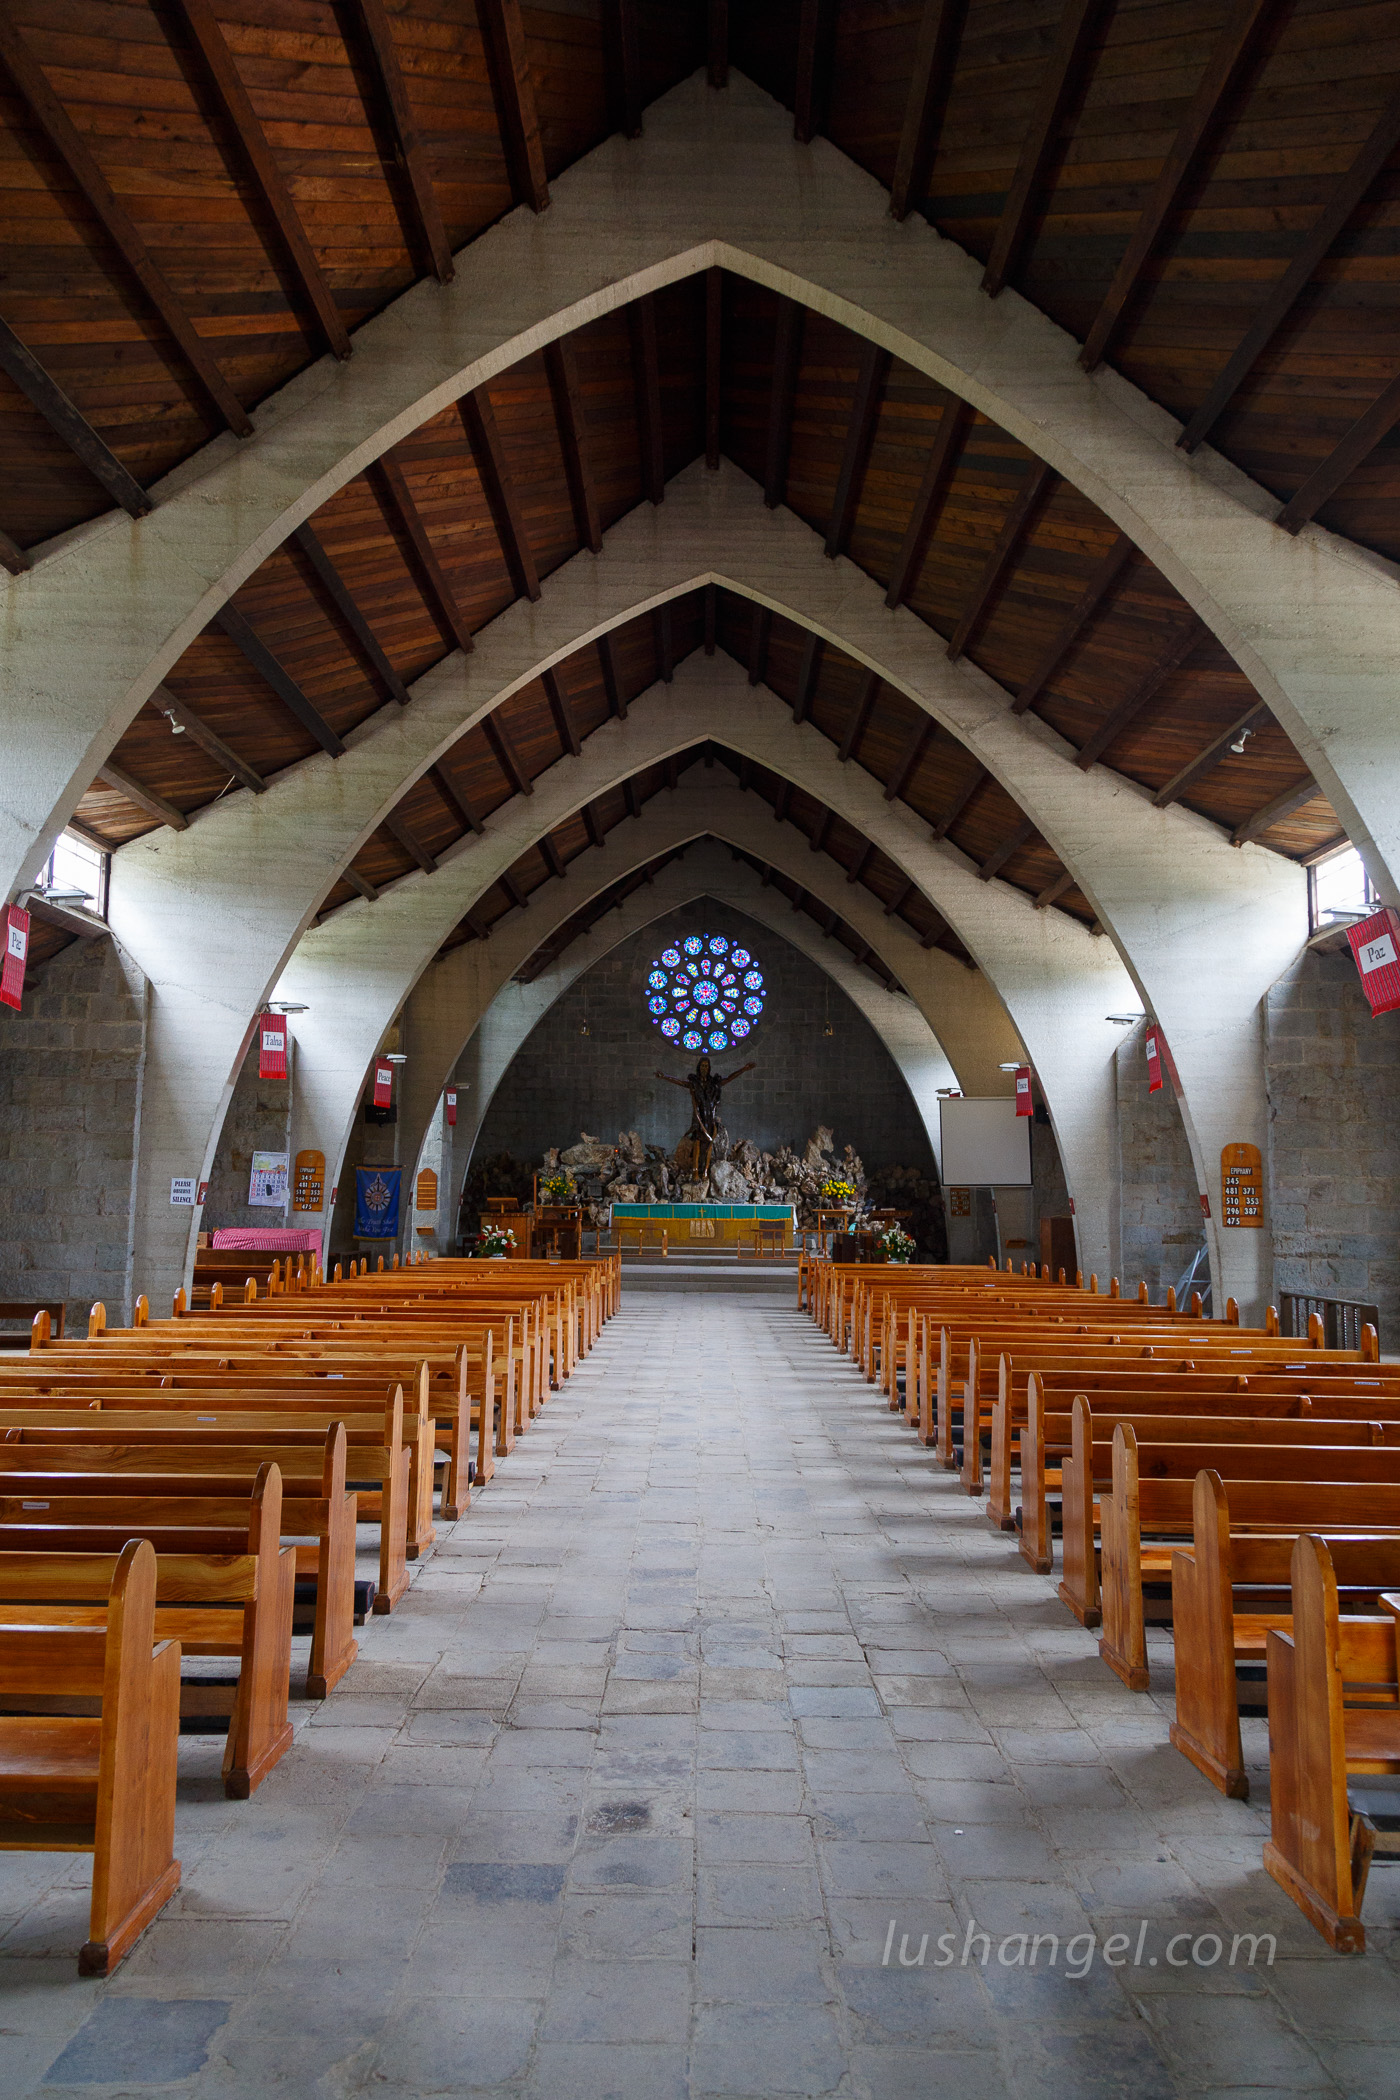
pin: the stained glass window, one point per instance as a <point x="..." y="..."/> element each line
<point x="706" y="992"/>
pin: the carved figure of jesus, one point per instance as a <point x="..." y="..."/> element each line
<point x="705" y="1088"/>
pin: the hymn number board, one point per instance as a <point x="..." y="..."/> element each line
<point x="1242" y="1186"/>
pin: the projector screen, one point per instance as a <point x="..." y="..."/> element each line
<point x="984" y="1143"/>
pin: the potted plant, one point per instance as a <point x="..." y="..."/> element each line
<point x="897" y="1244"/>
<point x="557" y="1186"/>
<point x="837" y="1193"/>
<point x="494" y="1243"/>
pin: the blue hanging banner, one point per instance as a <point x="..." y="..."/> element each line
<point x="377" y="1202"/>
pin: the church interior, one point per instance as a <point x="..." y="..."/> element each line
<point x="699" y="1034"/>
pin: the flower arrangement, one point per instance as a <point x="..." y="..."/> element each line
<point x="493" y="1241"/>
<point x="557" y="1186"/>
<point x="897" y="1244"/>
<point x="836" y="1190"/>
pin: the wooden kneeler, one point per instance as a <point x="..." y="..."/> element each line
<point x="104" y="1785"/>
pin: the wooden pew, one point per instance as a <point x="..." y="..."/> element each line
<point x="1334" y="1717"/>
<point x="103" y="1784"/>
<point x="1230" y="1589"/>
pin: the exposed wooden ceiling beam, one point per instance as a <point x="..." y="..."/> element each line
<point x="341" y="597"/>
<point x="860" y="715"/>
<point x="484" y="437"/>
<point x="1207" y="759"/>
<point x="899" y="900"/>
<point x="513" y="890"/>
<point x="1053" y="891"/>
<point x="945" y="824"/>
<point x="818" y="837"/>
<point x="144" y="798"/>
<point x="1234" y="46"/>
<point x="861" y="862"/>
<point x="1118" y="718"/>
<point x="395" y="117"/>
<point x="1006" y="849"/>
<point x="1342" y="199"/>
<point x="1274" y="812"/>
<point x="809" y="673"/>
<point x="935" y="54"/>
<point x="646" y="371"/>
<point x="460" y="805"/>
<point x="412" y="846"/>
<point x="1016" y="527"/>
<point x="68" y="423"/>
<point x="714" y="363"/>
<point x="360" y="883"/>
<point x="909" y="759"/>
<point x="561" y="712"/>
<point x="711" y="619"/>
<point x="222" y="75"/>
<point x="629" y="796"/>
<point x="562" y="367"/>
<point x="48" y="112"/>
<point x="942" y="463"/>
<point x="717" y="44"/>
<point x="199" y="732"/>
<point x="787" y="356"/>
<point x="514" y="90"/>
<point x="590" y="824"/>
<point x="507" y="758"/>
<point x="1344" y="458"/>
<point x="13" y="558"/>
<point x="673" y="771"/>
<point x="612" y="683"/>
<point x="624" y="72"/>
<point x="745" y="774"/>
<point x="831" y="922"/>
<point x="426" y="569"/>
<point x="665" y="642"/>
<point x="1059" y="85"/>
<point x="281" y="680"/>
<point x="760" y="631"/>
<point x="781" y="800"/>
<point x="1076" y="620"/>
<point x="860" y="437"/>
<point x="552" y="857"/>
<point x="813" y="68"/>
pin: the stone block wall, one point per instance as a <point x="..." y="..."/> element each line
<point x="563" y="1081"/>
<point x="259" y="1119"/>
<point x="71" y="1065"/>
<point x="1159" y="1223"/>
<point x="1334" y="1138"/>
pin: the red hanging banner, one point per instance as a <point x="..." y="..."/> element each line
<point x="1375" y="942"/>
<point x="15" y="925"/>
<point x="451" y="1099"/>
<point x="383" y="1083"/>
<point x="272" y="1046"/>
<point x="1155" y="1047"/>
<point x="1024" y="1104"/>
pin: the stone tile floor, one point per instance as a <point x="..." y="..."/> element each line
<point x="720" y="1700"/>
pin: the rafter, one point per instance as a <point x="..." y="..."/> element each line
<point x="517" y="896"/>
<point x="860" y="437"/>
<point x="935" y="53"/>
<point x="860" y="715"/>
<point x="1053" y="891"/>
<point x="48" y="112"/>
<point x="461" y="806"/>
<point x="412" y="845"/>
<point x="484" y="437"/>
<point x="813" y="68"/>
<point x="612" y="683"/>
<point x="787" y="356"/>
<point x="646" y="372"/>
<point x="1206" y="760"/>
<point x="1059" y="85"/>
<point x="900" y="898"/>
<point x="144" y="798"/>
<point x="1233" y="48"/>
<point x="711" y="619"/>
<point x="361" y="884"/>
<point x="624" y="73"/>
<point x="499" y="738"/>
<point x="946" y="823"/>
<point x="590" y="824"/>
<point x="561" y="712"/>
<point x="809" y="673"/>
<point x="552" y="857"/>
<point x="1015" y="528"/>
<point x="279" y="678"/>
<point x="665" y="643"/>
<point x="1344" y="458"/>
<point x="629" y="796"/>
<point x="388" y="477"/>
<point x="68" y="423"/>
<point x="831" y="922"/>
<point x="817" y="841"/>
<point x="928" y="503"/>
<point x="562" y="367"/>
<point x="714" y="363"/>
<point x="1006" y="849"/>
<point x="717" y="44"/>
<point x="781" y="800"/>
<point x="1119" y="718"/>
<point x="760" y="630"/>
<point x="1345" y="194"/>
<point x="909" y="758"/>
<point x="1274" y="812"/>
<point x="1081" y="612"/>
<point x="515" y="100"/>
<point x="396" y="120"/>
<point x="197" y="729"/>
<point x="341" y="597"/>
<point x="13" y="558"/>
<point x="673" y="771"/>
<point x="861" y="862"/>
<point x="222" y="75"/>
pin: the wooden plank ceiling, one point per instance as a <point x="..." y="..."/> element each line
<point x="201" y="198"/>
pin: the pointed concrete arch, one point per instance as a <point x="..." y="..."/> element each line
<point x="717" y="180"/>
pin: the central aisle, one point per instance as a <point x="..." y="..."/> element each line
<point x="720" y="1677"/>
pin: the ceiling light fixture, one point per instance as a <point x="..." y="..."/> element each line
<point x="1125" y="1020"/>
<point x="395" y="1057"/>
<point x="1242" y="739"/>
